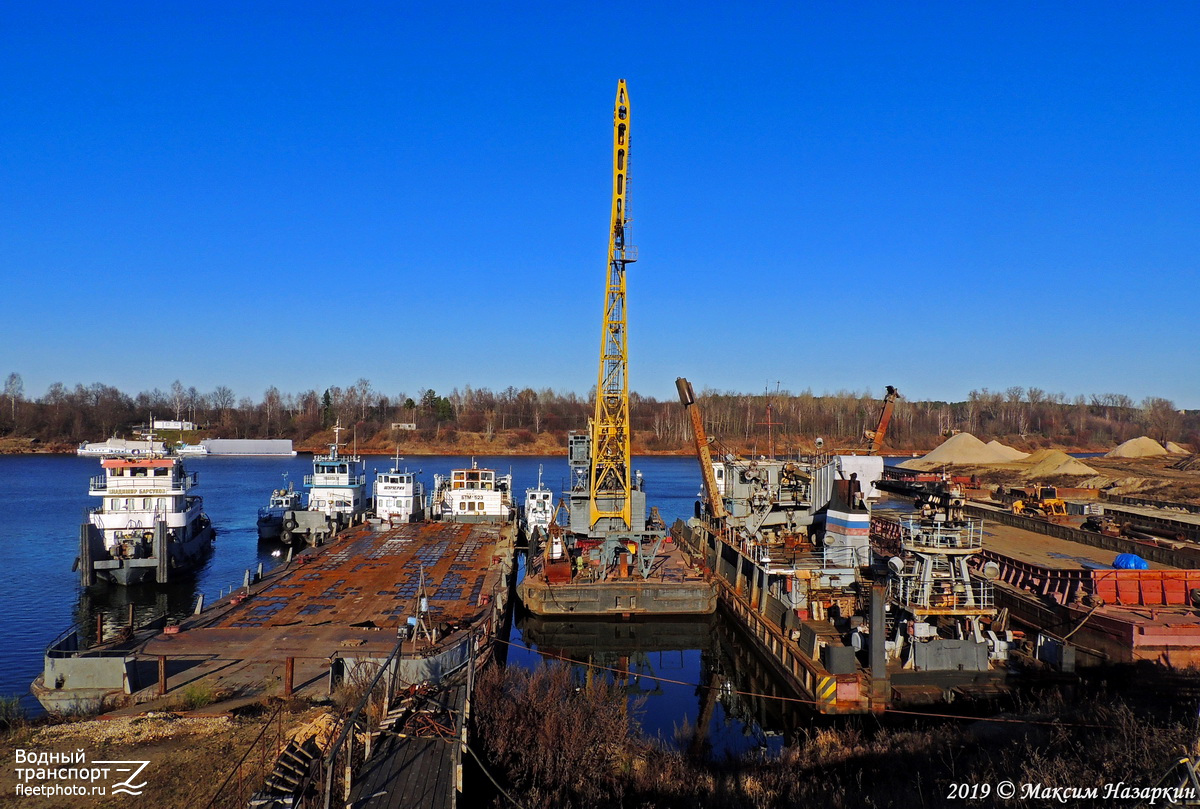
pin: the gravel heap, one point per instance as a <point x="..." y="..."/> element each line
<point x="959" y="450"/>
<point x="1144" y="447"/>
<point x="1010" y="453"/>
<point x="1048" y="463"/>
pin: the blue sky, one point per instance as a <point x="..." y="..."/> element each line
<point x="939" y="196"/>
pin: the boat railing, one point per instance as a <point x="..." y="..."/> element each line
<point x="964" y="535"/>
<point x="74" y="641"/>
<point x="98" y="483"/>
<point x="943" y="597"/>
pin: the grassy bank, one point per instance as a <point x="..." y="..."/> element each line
<point x="556" y="742"/>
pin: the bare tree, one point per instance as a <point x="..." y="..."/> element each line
<point x="14" y="389"/>
<point x="178" y="399"/>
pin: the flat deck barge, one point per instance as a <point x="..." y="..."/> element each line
<point x="309" y="623"/>
<point x="674" y="586"/>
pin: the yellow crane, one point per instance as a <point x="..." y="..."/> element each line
<point x="610" y="484"/>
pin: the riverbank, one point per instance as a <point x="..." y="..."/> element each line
<point x="508" y="443"/>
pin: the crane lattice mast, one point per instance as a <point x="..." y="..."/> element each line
<point x="609" y="490"/>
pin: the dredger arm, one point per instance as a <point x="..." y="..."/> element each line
<point x="716" y="505"/>
<point x="877" y="435"/>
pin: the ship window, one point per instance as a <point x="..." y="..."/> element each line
<point x="116" y="473"/>
<point x="139" y="472"/>
<point x="161" y="472"/>
<point x="162" y="504"/>
<point x="462" y="506"/>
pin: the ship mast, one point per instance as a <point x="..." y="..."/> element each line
<point x="609" y="489"/>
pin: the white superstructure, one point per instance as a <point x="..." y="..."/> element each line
<point x="338" y="484"/>
<point x="147" y="524"/>
<point x="122" y="447"/>
<point x="539" y="510"/>
<point x="399" y="496"/>
<point x="473" y="495"/>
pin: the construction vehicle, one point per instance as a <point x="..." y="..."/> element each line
<point x="876" y="436"/>
<point x="1041" y="502"/>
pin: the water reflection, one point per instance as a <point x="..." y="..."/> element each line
<point x="702" y="686"/>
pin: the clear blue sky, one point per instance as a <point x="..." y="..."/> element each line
<point x="939" y="196"/>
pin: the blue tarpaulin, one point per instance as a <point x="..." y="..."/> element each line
<point x="1130" y="561"/>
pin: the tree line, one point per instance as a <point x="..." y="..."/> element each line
<point x="791" y="421"/>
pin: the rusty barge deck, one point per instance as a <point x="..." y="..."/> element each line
<point x="674" y="587"/>
<point x="309" y="622"/>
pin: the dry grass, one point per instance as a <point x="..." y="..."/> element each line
<point x="561" y="744"/>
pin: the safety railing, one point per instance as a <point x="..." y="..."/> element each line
<point x="911" y="593"/>
<point x="916" y="534"/>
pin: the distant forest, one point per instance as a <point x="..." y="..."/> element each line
<point x="1025" y="416"/>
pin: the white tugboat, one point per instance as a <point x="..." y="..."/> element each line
<point x="539" y="510"/>
<point x="472" y="495"/>
<point x="148" y="528"/>
<point x="399" y="496"/>
<point x="270" y="517"/>
<point x="337" y="497"/>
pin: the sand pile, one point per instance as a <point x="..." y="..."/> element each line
<point x="1144" y="447"/>
<point x="1174" y="448"/>
<point x="1009" y="453"/>
<point x="1048" y="463"/>
<point x="958" y="450"/>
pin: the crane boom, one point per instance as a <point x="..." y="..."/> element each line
<point x="610" y="484"/>
<point x="716" y="505"/>
<point x="877" y="435"/>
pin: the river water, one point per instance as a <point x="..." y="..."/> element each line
<point x="45" y="497"/>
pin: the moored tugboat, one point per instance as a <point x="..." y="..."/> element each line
<point x="399" y="497"/>
<point x="148" y="527"/>
<point x="337" y="497"/>
<point x="270" y="517"/>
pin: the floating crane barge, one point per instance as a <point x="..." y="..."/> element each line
<point x="613" y="558"/>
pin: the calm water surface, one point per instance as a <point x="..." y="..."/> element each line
<point x="46" y="496"/>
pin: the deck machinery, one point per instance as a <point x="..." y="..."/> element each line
<point x="608" y="514"/>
